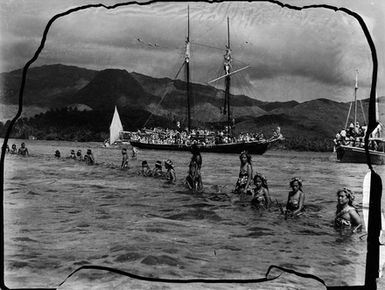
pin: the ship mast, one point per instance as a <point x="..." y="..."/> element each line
<point x="355" y="99"/>
<point x="227" y="68"/>
<point x="187" y="67"/>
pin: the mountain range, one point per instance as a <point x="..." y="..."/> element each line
<point x="56" y="86"/>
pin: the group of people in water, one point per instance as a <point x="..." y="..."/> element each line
<point x="193" y="179"/>
<point x="88" y="158"/>
<point x="23" y="151"/>
<point x="254" y="188"/>
<point x="346" y="213"/>
<point x="250" y="188"/>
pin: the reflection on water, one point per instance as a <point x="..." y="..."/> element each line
<point x="61" y="214"/>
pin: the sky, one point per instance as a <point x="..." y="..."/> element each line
<point x="292" y="55"/>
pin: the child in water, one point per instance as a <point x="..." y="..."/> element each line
<point x="124" y="158"/>
<point x="194" y="178"/>
<point x="170" y="174"/>
<point x="79" y="155"/>
<point x="346" y="214"/>
<point x="245" y="175"/>
<point x="89" y="157"/>
<point x="157" y="171"/>
<point x="14" y="149"/>
<point x="260" y="196"/>
<point x="296" y="198"/>
<point x="23" y="150"/>
<point x="72" y="155"/>
<point x="146" y="171"/>
<point x="134" y="153"/>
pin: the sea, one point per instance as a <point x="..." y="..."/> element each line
<point x="61" y="214"/>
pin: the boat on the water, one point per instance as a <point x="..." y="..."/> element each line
<point x="352" y="154"/>
<point x="349" y="142"/>
<point x="117" y="135"/>
<point x="218" y="142"/>
<point x="255" y="147"/>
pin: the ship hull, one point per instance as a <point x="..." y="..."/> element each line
<point x="250" y="147"/>
<point x="350" y="154"/>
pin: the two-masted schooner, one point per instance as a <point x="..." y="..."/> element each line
<point x="230" y="145"/>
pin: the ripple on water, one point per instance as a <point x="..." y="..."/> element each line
<point x="32" y="193"/>
<point x="24" y="239"/>
<point x="197" y="214"/>
<point x="128" y="257"/>
<point x="160" y="260"/>
<point x="12" y="264"/>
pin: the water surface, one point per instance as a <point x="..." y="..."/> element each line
<point x="61" y="214"/>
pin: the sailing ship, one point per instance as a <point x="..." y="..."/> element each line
<point x="349" y="143"/>
<point x="117" y="134"/>
<point x="230" y="145"/>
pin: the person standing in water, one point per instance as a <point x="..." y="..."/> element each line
<point x="245" y="175"/>
<point x="194" y="178"/>
<point x="346" y="214"/>
<point x="124" y="158"/>
<point x="89" y="157"/>
<point x="57" y="154"/>
<point x="134" y="153"/>
<point x="170" y="174"/>
<point x="79" y="155"/>
<point x="157" y="171"/>
<point x="14" y="149"/>
<point x="260" y="196"/>
<point x="72" y="155"/>
<point x="296" y="199"/>
<point x="23" y="150"/>
<point x="146" y="171"/>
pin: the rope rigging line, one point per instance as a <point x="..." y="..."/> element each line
<point x="363" y="112"/>
<point x="205" y="45"/>
<point x="168" y="90"/>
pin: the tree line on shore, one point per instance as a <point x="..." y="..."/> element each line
<point x="70" y="124"/>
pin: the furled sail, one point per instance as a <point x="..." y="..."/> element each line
<point x="116" y="127"/>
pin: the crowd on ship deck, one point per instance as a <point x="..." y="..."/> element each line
<point x="354" y="135"/>
<point x="198" y="136"/>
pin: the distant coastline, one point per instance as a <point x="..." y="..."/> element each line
<point x="70" y="103"/>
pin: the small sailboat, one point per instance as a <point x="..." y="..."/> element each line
<point x="225" y="143"/>
<point x="349" y="143"/>
<point x="116" y="131"/>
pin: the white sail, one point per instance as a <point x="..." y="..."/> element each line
<point x="116" y="127"/>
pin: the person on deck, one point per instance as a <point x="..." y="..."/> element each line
<point x="170" y="174"/>
<point x="124" y="158"/>
<point x="296" y="199"/>
<point x="346" y="213"/>
<point x="245" y="175"/>
<point x="260" y="196"/>
<point x="194" y="178"/>
<point x="23" y="151"/>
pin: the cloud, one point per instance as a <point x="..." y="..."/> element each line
<point x="318" y="47"/>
